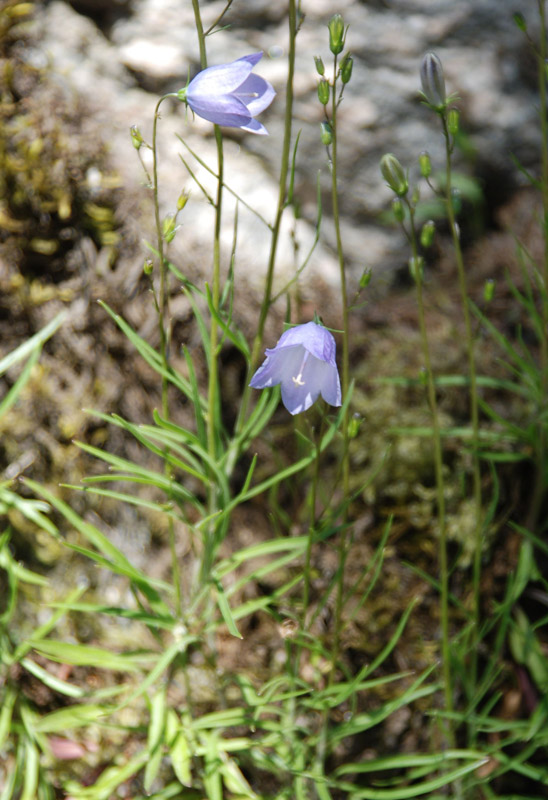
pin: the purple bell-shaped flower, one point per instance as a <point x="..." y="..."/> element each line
<point x="230" y="95"/>
<point x="304" y="363"/>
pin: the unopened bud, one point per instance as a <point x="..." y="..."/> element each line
<point x="489" y="290"/>
<point x="182" y="200"/>
<point x="320" y="69"/>
<point x="416" y="268"/>
<point x="425" y="164"/>
<point x="394" y="175"/>
<point x="365" y="279"/>
<point x="136" y="138"/>
<point x="346" y="68"/>
<point x="519" y="21"/>
<point x="326" y="133"/>
<point x="416" y="196"/>
<point x="456" y="200"/>
<point x="398" y="209"/>
<point x="453" y="121"/>
<point x="323" y="92"/>
<point x="432" y="80"/>
<point x="354" y="426"/>
<point x="168" y="228"/>
<point x="427" y="233"/>
<point x="336" y="34"/>
<point x="148" y="267"/>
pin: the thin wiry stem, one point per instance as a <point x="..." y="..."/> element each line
<point x="281" y="206"/>
<point x="163" y="312"/>
<point x="213" y="365"/>
<point x="474" y="404"/>
<point x="438" y="469"/>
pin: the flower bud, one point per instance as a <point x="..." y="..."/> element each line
<point x="489" y="290"/>
<point x="182" y="200"/>
<point x="136" y="138"/>
<point x="416" y="268"/>
<point x="453" y="121"/>
<point x="323" y="92"/>
<point x="398" y="209"/>
<point x="520" y="22"/>
<point x="320" y="69"/>
<point x="148" y="267"/>
<point x="416" y="196"/>
<point x="168" y="228"/>
<point x="336" y="34"/>
<point x="432" y="80"/>
<point x="425" y="164"/>
<point x="346" y="68"/>
<point x="427" y="233"/>
<point x="365" y="278"/>
<point x="354" y="425"/>
<point x="393" y="174"/>
<point x="326" y="133"/>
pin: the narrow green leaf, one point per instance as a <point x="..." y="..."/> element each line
<point x="83" y="655"/>
<point x="75" y="716"/>
<point x="224" y="608"/>
<point x="32" y="765"/>
<point x="8" y="700"/>
<point x="155" y="737"/>
<point x="34" y="343"/>
<point x="58" y="685"/>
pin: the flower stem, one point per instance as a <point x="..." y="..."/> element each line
<point x="163" y="312"/>
<point x="438" y="469"/>
<point x="474" y="407"/>
<point x="213" y="380"/>
<point x="343" y="541"/>
<point x="163" y="293"/>
<point x="539" y="485"/>
<point x="281" y="206"/>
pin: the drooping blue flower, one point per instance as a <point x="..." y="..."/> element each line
<point x="230" y="95"/>
<point x="304" y="363"/>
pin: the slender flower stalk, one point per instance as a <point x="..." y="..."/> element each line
<point x="539" y="485"/>
<point x="473" y="399"/>
<point x="417" y="274"/>
<point x="257" y="345"/>
<point x="162" y="301"/>
<point x="213" y="381"/>
<point x="335" y="34"/>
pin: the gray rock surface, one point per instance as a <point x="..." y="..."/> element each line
<point x="149" y="47"/>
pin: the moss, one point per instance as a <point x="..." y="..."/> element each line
<point x="55" y="186"/>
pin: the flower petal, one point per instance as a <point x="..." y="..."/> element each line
<point x="254" y="127"/>
<point x="256" y="93"/>
<point x="331" y="386"/>
<point x="221" y="79"/>
<point x="222" y="110"/>
<point x="276" y="367"/>
<point x="315" y="338"/>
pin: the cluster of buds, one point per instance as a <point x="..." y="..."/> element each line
<point x="326" y="87"/>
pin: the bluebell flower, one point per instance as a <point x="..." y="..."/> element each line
<point x="230" y="95"/>
<point x="304" y="363"/>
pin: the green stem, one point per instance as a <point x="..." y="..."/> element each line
<point x="162" y="293"/>
<point x="213" y="364"/>
<point x="343" y="541"/>
<point x="540" y="448"/>
<point x="438" y="469"/>
<point x="474" y="408"/>
<point x="282" y="202"/>
<point x="163" y="312"/>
